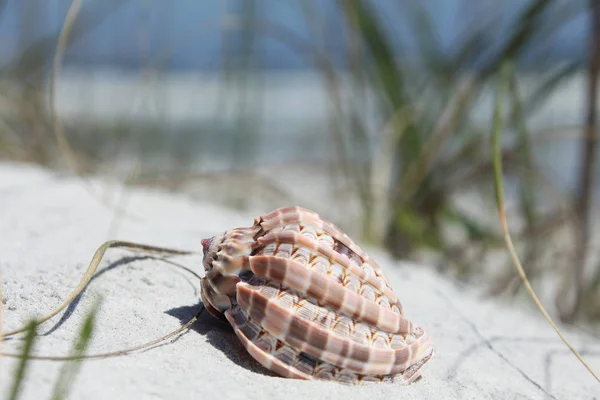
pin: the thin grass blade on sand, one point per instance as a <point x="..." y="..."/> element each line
<point x="23" y="364"/>
<point x="71" y="368"/>
<point x="504" y="77"/>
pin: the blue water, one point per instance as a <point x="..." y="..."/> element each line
<point x="192" y="34"/>
<point x="288" y="118"/>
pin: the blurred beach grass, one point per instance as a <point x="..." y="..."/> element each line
<point x="401" y="137"/>
<point x="399" y="149"/>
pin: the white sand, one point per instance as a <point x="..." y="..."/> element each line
<point x="50" y="226"/>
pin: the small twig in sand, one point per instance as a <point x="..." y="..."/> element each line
<point x="118" y="352"/>
<point x="97" y="258"/>
<point x="89" y="273"/>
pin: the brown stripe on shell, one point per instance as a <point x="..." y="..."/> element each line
<point x="262" y="354"/>
<point x="291" y="363"/>
<point x="301" y="240"/>
<point x="216" y="301"/>
<point x="222" y="284"/>
<point x="292" y="214"/>
<point x="329" y="293"/>
<point x="313" y="339"/>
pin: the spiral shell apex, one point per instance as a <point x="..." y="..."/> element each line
<point x="307" y="303"/>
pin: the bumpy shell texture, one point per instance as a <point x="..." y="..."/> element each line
<point x="306" y="302"/>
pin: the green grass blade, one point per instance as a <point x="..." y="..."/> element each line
<point x="528" y="199"/>
<point x="505" y="72"/>
<point x="387" y="75"/>
<point x="70" y="369"/>
<point x="24" y="361"/>
<point x="362" y="17"/>
<point x="525" y="28"/>
<point x="497" y="132"/>
<point x="428" y="43"/>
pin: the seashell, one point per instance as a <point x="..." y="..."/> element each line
<point x="307" y="303"/>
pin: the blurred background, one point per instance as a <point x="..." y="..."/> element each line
<point x="377" y="114"/>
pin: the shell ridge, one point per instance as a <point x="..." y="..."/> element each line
<point x="342" y="260"/>
<point x="315" y="340"/>
<point x="328" y="293"/>
<point x="265" y="359"/>
<point x="290" y="366"/>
